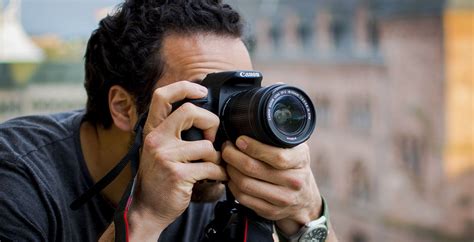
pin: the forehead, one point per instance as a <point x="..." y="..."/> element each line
<point x="192" y="57"/>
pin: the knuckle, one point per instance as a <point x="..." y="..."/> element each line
<point x="208" y="148"/>
<point x="296" y="183"/>
<point x="282" y="160"/>
<point x="251" y="168"/>
<point x="162" y="155"/>
<point x="285" y="201"/>
<point x="158" y="94"/>
<point x="149" y="141"/>
<point x="245" y="186"/>
<point x="175" y="174"/>
<point x="281" y="202"/>
<point x="187" y="107"/>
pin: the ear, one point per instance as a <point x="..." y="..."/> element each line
<point x="122" y="108"/>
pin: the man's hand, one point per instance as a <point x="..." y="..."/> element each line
<point x="276" y="183"/>
<point x="166" y="176"/>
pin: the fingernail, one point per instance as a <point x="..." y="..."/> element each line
<point x="241" y="143"/>
<point x="203" y="89"/>
<point x="225" y="144"/>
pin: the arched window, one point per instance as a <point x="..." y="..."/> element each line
<point x="373" y="33"/>
<point x="321" y="171"/>
<point x="323" y="112"/>
<point x="305" y="34"/>
<point x="340" y="30"/>
<point x="359" y="237"/>
<point x="360" y="190"/>
<point x="359" y="115"/>
<point x="276" y="35"/>
<point x="411" y="151"/>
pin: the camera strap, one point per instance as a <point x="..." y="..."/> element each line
<point x="132" y="156"/>
<point x="232" y="222"/>
<point x="235" y="223"/>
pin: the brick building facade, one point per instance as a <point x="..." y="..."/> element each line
<point x="375" y="69"/>
<point x="376" y="72"/>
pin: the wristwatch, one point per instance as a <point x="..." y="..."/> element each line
<point x="314" y="231"/>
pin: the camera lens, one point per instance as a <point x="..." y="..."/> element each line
<point x="289" y="115"/>
<point x="278" y="115"/>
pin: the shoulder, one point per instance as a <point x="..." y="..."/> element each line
<point x="22" y="135"/>
<point x="31" y="156"/>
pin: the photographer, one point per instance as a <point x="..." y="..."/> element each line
<point x="146" y="56"/>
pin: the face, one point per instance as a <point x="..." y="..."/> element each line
<point x="192" y="58"/>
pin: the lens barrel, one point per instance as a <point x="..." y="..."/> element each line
<point x="279" y="115"/>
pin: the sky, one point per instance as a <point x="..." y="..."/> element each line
<point x="67" y="18"/>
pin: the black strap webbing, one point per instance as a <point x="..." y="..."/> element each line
<point x="112" y="174"/>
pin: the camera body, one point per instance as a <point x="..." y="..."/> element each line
<point x="278" y="115"/>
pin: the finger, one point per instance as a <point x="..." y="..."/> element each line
<point x="189" y="115"/>
<point x="260" y="170"/>
<point x="188" y="151"/>
<point x="271" y="193"/>
<point x="200" y="150"/>
<point x="164" y="97"/>
<point x="280" y="158"/>
<point x="246" y="164"/>
<point x="203" y="171"/>
<point x="260" y="206"/>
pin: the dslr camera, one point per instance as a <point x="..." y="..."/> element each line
<point x="278" y="115"/>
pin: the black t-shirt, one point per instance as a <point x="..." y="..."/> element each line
<point x="42" y="170"/>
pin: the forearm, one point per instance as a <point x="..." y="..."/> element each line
<point x="298" y="225"/>
<point x="143" y="228"/>
<point x="330" y="238"/>
<point x="109" y="234"/>
<point x="140" y="229"/>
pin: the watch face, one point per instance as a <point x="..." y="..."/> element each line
<point x="318" y="234"/>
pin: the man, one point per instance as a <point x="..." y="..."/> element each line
<point x="146" y="56"/>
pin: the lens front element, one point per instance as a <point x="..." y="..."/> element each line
<point x="278" y="115"/>
<point x="289" y="115"/>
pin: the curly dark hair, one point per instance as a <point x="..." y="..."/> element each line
<point x="125" y="49"/>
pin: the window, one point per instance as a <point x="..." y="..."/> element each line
<point x="323" y="112"/>
<point x="305" y="34"/>
<point x="373" y="35"/>
<point x="411" y="150"/>
<point x="340" y="32"/>
<point x="359" y="237"/>
<point x="276" y="35"/>
<point x="359" y="116"/>
<point x="360" y="190"/>
<point x="321" y="171"/>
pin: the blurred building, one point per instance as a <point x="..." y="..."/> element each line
<point x="34" y="78"/>
<point x="394" y="87"/>
<point x="383" y="85"/>
<point x="459" y="139"/>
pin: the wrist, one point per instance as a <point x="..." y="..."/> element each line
<point x="314" y="230"/>
<point x="143" y="226"/>
<point x="291" y="226"/>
